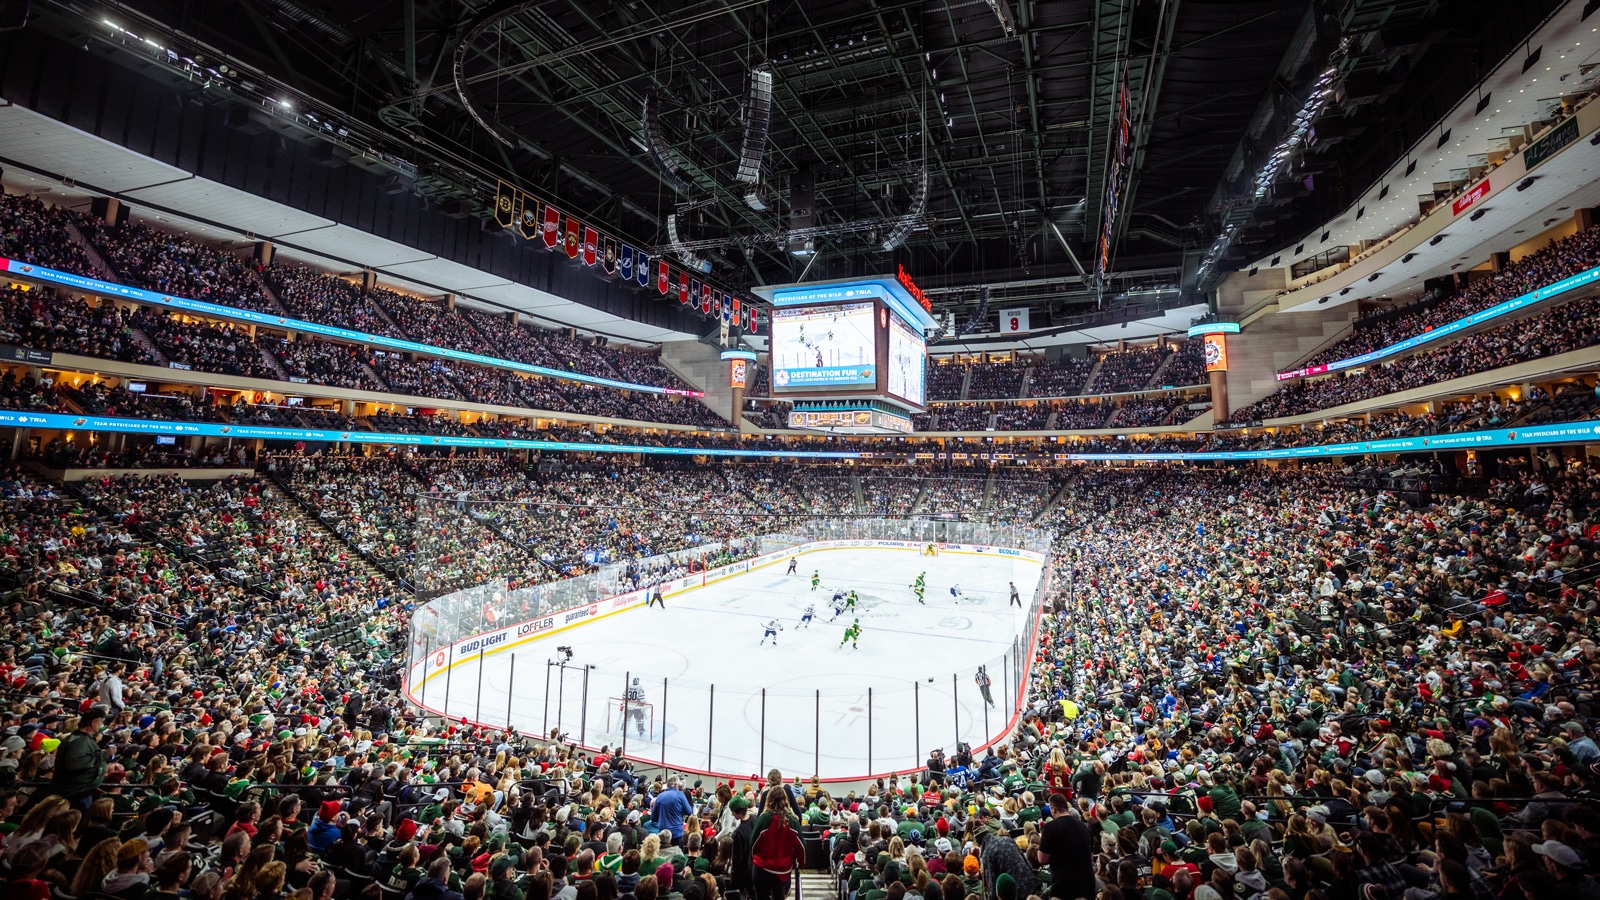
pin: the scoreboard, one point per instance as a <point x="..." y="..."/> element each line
<point x="856" y="344"/>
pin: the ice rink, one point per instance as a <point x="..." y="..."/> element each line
<point x="908" y="687"/>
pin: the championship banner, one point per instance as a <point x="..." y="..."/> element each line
<point x="528" y="221"/>
<point x="726" y="303"/>
<point x="573" y="239"/>
<point x="694" y="292"/>
<point x="706" y="298"/>
<point x="552" y="227"/>
<point x="591" y="246"/>
<point x="505" y="204"/>
<point x="641" y="270"/>
<point x="608" y="256"/>
<point x="737" y="313"/>
<point x="683" y="286"/>
<point x="625" y="263"/>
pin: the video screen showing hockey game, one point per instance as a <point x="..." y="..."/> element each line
<point x="908" y="362"/>
<point x="824" y="347"/>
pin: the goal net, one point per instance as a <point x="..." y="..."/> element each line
<point x="637" y="716"/>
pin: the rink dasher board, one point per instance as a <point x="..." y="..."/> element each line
<point x="440" y="660"/>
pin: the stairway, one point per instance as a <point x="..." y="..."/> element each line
<point x="1155" y="377"/>
<point x="702" y="367"/>
<point x="267" y="292"/>
<point x="988" y="492"/>
<point x="149" y="346"/>
<point x="275" y="484"/>
<point x="861" y="497"/>
<point x="273" y="363"/>
<point x="966" y="381"/>
<point x="922" y="498"/>
<point x="1056" y="498"/>
<point x="98" y="262"/>
<point x="1094" y="373"/>
<point x="1116" y="409"/>
<point x="373" y="374"/>
<point x="816" y="886"/>
<point x="1050" y="423"/>
<point x="1027" y="383"/>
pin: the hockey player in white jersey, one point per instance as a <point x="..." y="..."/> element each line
<point x="808" y="615"/>
<point x="773" y="627"/>
<point x="955" y="593"/>
<point x="632" y="712"/>
<point x="840" y="603"/>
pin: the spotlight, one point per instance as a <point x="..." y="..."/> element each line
<point x="1434" y="242"/>
<point x="1407" y="258"/>
<point x="1526" y="183"/>
<point x="1477" y="215"/>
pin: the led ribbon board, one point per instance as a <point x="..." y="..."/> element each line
<point x="112" y="289"/>
<point x="1570" y="283"/>
<point x="1569" y="433"/>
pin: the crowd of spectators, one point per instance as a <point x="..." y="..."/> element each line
<point x="1380" y="328"/>
<point x="205" y="346"/>
<point x="995" y="381"/>
<point x="34" y="232"/>
<point x="41" y="319"/>
<point x="143" y="256"/>
<point x="1572" y="325"/>
<point x="1127" y="370"/>
<point x="1146" y="411"/>
<point x="1250" y="683"/>
<point x="1063" y="378"/>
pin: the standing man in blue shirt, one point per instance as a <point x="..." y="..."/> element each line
<point x="670" y="808"/>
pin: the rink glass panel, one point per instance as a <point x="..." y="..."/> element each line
<point x="484" y="604"/>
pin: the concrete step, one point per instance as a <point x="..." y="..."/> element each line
<point x="149" y="345"/>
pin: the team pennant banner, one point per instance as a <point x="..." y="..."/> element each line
<point x="528" y="221"/>
<point x="625" y="262"/>
<point x="574" y="238"/>
<point x="663" y="277"/>
<point x="608" y="258"/>
<point x="505" y="204"/>
<point x="705" y="298"/>
<point x="641" y="269"/>
<point x="591" y="246"/>
<point x="551" y="230"/>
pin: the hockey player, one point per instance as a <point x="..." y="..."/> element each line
<point x="931" y="550"/>
<point x="807" y="616"/>
<point x="852" y="634"/>
<point x="920" y="586"/>
<point x="816" y="578"/>
<point x="1016" y="599"/>
<point x="983" y="681"/>
<point x="838" y="605"/>
<point x="850" y="601"/>
<point x="955" y="593"/>
<point x="794" y="566"/>
<point x="633" y="709"/>
<point x="773" y="626"/>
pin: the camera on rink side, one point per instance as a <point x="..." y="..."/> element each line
<point x="567" y="651"/>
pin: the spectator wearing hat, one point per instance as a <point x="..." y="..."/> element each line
<point x="741" y="877"/>
<point x="80" y="762"/>
<point x="131" y="879"/>
<point x="324" y="830"/>
<point x="1565" y="866"/>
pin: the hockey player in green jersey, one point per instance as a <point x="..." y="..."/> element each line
<point x="850" y="601"/>
<point x="816" y="578"/>
<point x="851" y="634"/>
<point x="920" y="586"/>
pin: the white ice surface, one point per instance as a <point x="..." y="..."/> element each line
<point x="711" y="635"/>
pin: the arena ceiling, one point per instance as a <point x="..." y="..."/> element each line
<point x="1015" y="113"/>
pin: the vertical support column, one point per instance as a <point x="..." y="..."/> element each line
<point x="545" y="727"/>
<point x="583" y="713"/>
<point x="450" y="669"/>
<point x="627" y="680"/>
<point x="762" y="753"/>
<point x="955" y="706"/>
<point x="663" y="723"/>
<point x="816" y="746"/>
<point x="477" y="709"/>
<point x="711" y="723"/>
<point x="427" y="653"/>
<point x="511" y="680"/>
<point x="869" y="728"/>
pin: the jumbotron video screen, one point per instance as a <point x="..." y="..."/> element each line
<point x="824" y="347"/>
